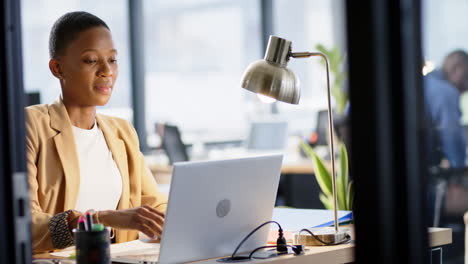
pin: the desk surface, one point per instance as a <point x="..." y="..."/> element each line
<point x="300" y="167"/>
<point x="291" y="165"/>
<point x="327" y="254"/>
<point x="341" y="253"/>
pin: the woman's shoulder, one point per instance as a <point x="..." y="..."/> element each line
<point x="115" y="122"/>
<point x="119" y="125"/>
<point x="39" y="109"/>
<point x="37" y="113"/>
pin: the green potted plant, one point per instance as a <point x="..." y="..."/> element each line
<point x="338" y="75"/>
<point x="344" y="186"/>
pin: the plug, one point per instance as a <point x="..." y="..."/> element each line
<point x="281" y="246"/>
<point x="298" y="249"/>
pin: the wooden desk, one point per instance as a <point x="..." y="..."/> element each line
<point x="163" y="172"/>
<point x="293" y="162"/>
<point x="322" y="254"/>
<point x="327" y="254"/>
<point x="341" y="253"/>
<point x="301" y="167"/>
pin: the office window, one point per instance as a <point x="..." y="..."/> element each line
<point x="308" y="23"/>
<point x="37" y="20"/>
<point x="196" y="52"/>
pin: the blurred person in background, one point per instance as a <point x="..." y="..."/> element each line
<point x="446" y="146"/>
<point x="442" y="88"/>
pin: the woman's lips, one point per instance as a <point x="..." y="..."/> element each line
<point x="104" y="89"/>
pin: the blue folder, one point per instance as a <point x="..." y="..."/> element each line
<point x="342" y="220"/>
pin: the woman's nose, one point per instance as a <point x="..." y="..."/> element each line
<point x="105" y="70"/>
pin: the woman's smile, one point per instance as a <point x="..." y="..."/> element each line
<point x="104" y="88"/>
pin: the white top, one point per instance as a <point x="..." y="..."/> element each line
<point x="100" y="179"/>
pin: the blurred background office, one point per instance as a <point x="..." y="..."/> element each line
<point x="194" y="55"/>
<point x="195" y="52"/>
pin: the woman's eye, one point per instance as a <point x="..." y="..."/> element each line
<point x="90" y="61"/>
<point x="113" y="60"/>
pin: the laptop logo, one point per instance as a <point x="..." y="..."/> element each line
<point x="223" y="208"/>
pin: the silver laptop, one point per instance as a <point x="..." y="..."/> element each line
<point x="212" y="206"/>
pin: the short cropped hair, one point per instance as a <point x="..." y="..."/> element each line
<point x="455" y="57"/>
<point x="67" y="28"/>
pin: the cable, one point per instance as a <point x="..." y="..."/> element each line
<point x="295" y="248"/>
<point x="280" y="230"/>
<point x="347" y="239"/>
<point x="281" y="245"/>
<point x="257" y="249"/>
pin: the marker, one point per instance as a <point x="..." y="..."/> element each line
<point x="89" y="221"/>
<point x="97" y="227"/>
<point x="81" y="223"/>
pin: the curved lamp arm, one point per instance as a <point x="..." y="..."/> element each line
<point x="330" y="124"/>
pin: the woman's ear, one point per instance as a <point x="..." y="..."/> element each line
<point x="54" y="66"/>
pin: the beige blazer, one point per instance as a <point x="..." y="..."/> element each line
<point x="53" y="170"/>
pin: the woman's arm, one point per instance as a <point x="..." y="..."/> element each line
<point x="145" y="219"/>
<point x="148" y="215"/>
<point x="150" y="193"/>
<point x="49" y="232"/>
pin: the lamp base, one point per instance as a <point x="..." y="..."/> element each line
<point x="327" y="235"/>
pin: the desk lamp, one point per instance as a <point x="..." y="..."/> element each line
<point x="271" y="77"/>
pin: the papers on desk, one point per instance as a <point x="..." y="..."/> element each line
<point x="65" y="253"/>
<point x="134" y="247"/>
<point x="297" y="219"/>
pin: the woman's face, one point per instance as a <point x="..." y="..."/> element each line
<point x="88" y="69"/>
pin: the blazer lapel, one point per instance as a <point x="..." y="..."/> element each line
<point x="117" y="148"/>
<point x="66" y="149"/>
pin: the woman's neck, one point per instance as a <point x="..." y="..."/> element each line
<point x="82" y="117"/>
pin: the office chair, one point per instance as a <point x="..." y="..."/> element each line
<point x="319" y="136"/>
<point x="172" y="143"/>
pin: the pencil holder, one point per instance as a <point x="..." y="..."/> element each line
<point x="92" y="247"/>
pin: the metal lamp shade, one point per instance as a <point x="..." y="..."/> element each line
<point x="272" y="80"/>
<point x="270" y="76"/>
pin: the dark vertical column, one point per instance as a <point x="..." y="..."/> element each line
<point x="386" y="130"/>
<point x="266" y="8"/>
<point x="416" y="166"/>
<point x="137" y="59"/>
<point x="15" y="221"/>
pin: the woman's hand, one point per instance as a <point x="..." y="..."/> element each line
<point x="145" y="219"/>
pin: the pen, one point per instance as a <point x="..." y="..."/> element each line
<point x="89" y="221"/>
<point x="81" y="223"/>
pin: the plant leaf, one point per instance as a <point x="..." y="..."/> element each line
<point x="341" y="195"/>
<point x="306" y="148"/>
<point x="342" y="181"/>
<point x="322" y="175"/>
<point x="350" y="198"/>
<point x="327" y="201"/>
<point x="320" y="171"/>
